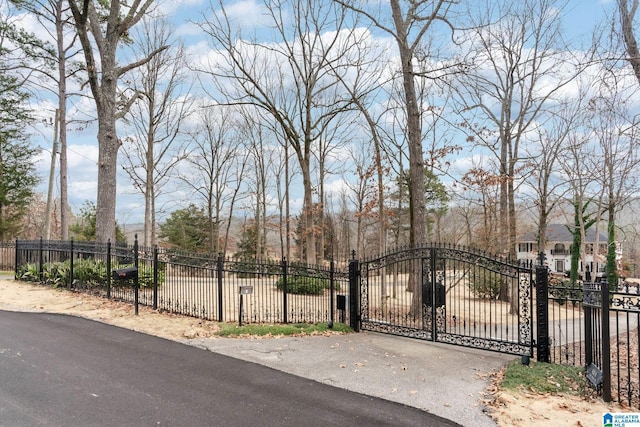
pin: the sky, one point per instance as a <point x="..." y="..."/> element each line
<point x="82" y="148"/>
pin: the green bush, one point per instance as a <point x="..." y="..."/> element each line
<point x="29" y="273"/>
<point x="305" y="285"/>
<point x="87" y="273"/>
<point x="484" y="283"/>
<point x="56" y="274"/>
<point x="145" y="275"/>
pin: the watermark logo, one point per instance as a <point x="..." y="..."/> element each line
<point x="625" y="419"/>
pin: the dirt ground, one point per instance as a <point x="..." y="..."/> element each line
<point x="523" y="409"/>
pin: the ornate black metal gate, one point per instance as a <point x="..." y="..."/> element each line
<point x="447" y="294"/>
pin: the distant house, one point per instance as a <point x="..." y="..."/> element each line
<point x="558" y="250"/>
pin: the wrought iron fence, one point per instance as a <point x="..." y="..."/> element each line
<point x="449" y="294"/>
<point x="611" y="347"/>
<point x="596" y="326"/>
<point x="566" y="322"/>
<point x="586" y="325"/>
<point x="198" y="285"/>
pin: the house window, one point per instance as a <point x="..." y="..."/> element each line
<point x="527" y="247"/>
<point x="560" y="266"/>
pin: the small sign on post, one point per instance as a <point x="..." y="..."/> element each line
<point x="594" y="375"/>
<point x="244" y="290"/>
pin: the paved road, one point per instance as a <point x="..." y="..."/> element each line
<point x="58" y="370"/>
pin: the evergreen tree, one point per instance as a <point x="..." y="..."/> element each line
<point x="17" y="157"/>
<point x="436" y="205"/>
<point x="186" y="229"/>
<point x="85" y="230"/>
<point x="248" y="244"/>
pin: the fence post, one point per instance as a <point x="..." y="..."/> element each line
<point x="332" y="287"/>
<point x="429" y="295"/>
<point x="155" y="277"/>
<point x="354" y="294"/>
<point x="285" y="317"/>
<point x="136" y="283"/>
<point x="542" y="313"/>
<point x="40" y="261"/>
<point x="220" y="299"/>
<point x="17" y="260"/>
<point x="109" y="269"/>
<point x="606" y="342"/>
<point x="70" y="284"/>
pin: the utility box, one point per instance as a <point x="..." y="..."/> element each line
<point x="341" y="302"/>
<point x="125" y="273"/>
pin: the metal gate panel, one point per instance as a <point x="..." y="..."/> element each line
<point x="449" y="294"/>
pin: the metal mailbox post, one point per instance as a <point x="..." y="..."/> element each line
<point x="244" y="290"/>
<point x="128" y="273"/>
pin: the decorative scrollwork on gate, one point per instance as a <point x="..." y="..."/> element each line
<point x="471" y="281"/>
<point x="592" y="295"/>
<point x="524" y="308"/>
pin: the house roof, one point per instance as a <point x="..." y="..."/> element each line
<point x="561" y="233"/>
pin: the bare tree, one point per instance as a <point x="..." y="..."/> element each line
<point x="362" y="194"/>
<point x="363" y="83"/>
<point x="548" y="182"/>
<point x="264" y="158"/>
<point x="614" y="132"/>
<point x="410" y="22"/>
<point x="290" y="79"/>
<point x="482" y="201"/>
<point x="154" y="149"/>
<point x="101" y="27"/>
<point x="506" y="88"/>
<point x="214" y="171"/>
<point x="580" y="177"/>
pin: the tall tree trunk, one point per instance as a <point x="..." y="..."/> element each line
<point x="149" y="182"/>
<point x="612" y="271"/>
<point x="414" y="129"/>
<point x="107" y="167"/>
<point x="62" y="117"/>
<point x="416" y="162"/>
<point x="307" y="213"/>
<point x="287" y="208"/>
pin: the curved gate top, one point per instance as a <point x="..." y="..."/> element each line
<point x="448" y="294"/>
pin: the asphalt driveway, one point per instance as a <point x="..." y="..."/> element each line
<point x="58" y="370"/>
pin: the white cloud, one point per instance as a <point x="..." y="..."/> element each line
<point x="247" y="13"/>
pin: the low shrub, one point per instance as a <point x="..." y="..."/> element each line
<point x="305" y="285"/>
<point x="29" y="273"/>
<point x="484" y="283"/>
<point x="87" y="273"/>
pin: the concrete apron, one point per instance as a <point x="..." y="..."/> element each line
<point x="444" y="380"/>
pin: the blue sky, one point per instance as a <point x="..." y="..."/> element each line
<point x="82" y="150"/>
